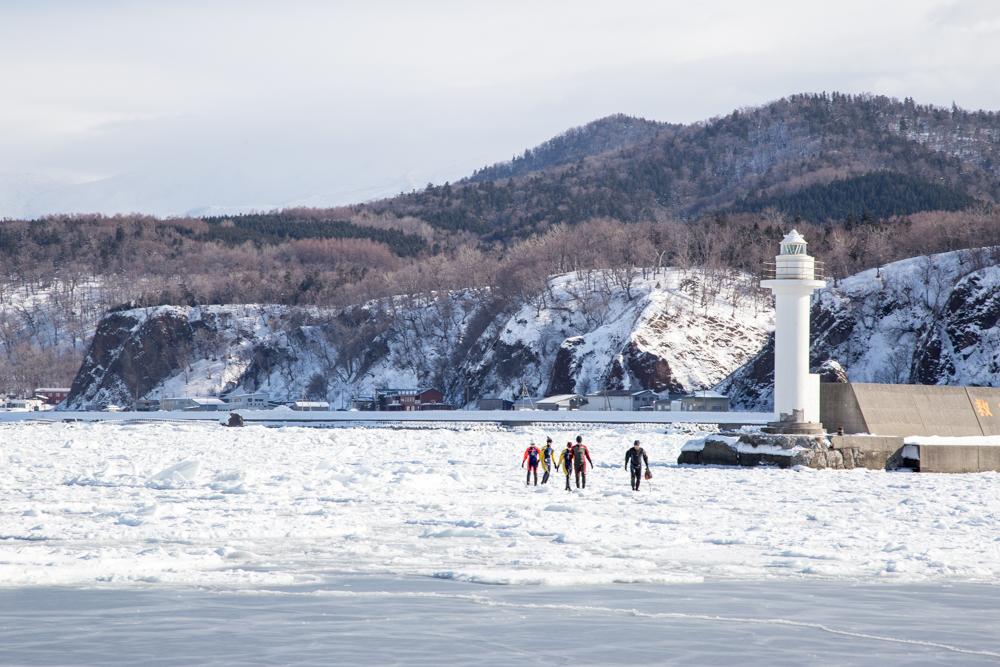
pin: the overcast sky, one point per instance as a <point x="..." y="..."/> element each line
<point x="167" y="107"/>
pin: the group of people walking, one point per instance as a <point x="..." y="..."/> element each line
<point x="574" y="460"/>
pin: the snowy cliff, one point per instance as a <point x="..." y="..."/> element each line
<point x="666" y="330"/>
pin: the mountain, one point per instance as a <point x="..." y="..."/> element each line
<point x="926" y="157"/>
<point x="600" y="136"/>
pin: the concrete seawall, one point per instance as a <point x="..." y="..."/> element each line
<point x="906" y="410"/>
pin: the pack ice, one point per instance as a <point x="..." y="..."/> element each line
<point x="199" y="504"/>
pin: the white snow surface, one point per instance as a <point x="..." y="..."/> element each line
<point x="197" y="504"/>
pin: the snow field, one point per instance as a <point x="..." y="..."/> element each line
<point x="199" y="504"/>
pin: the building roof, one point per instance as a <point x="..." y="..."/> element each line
<point x="620" y="392"/>
<point x="706" y="393"/>
<point x="559" y="398"/>
<point x="405" y="392"/>
<point x="793" y="237"/>
<point x="312" y="404"/>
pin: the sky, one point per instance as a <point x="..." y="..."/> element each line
<point x="178" y="107"/>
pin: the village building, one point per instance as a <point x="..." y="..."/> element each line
<point x="310" y="406"/>
<point x="257" y="400"/>
<point x="52" y="395"/>
<point x="25" y="404"/>
<point x="495" y="404"/>
<point x="146" y="405"/>
<point x="193" y="404"/>
<point x="668" y="405"/>
<point x="562" y="402"/>
<point x="705" y="401"/>
<point x="405" y="400"/>
<point x="618" y="400"/>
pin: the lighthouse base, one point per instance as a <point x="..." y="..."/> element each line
<point x="794" y="428"/>
<point x="838" y="452"/>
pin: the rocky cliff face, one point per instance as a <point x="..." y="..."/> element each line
<point x="670" y="330"/>
<point x="927" y="320"/>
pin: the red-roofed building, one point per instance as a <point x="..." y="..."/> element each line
<point x="52" y="395"/>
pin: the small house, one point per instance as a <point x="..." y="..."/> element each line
<point x="705" y="401"/>
<point x="620" y="400"/>
<point x="25" y="404"/>
<point x="146" y="405"/>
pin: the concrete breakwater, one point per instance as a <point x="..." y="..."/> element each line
<point x="845" y="452"/>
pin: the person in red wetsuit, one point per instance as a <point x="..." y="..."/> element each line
<point x="532" y="455"/>
<point x="581" y="456"/>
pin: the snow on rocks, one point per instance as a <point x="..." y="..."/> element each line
<point x="265" y="506"/>
<point x="926" y="320"/>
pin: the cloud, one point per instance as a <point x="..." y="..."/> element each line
<point x="166" y="107"/>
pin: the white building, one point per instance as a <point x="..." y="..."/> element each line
<point x="193" y="404"/>
<point x="616" y="400"/>
<point x="253" y="401"/>
<point x="793" y="277"/>
<point x="25" y="404"/>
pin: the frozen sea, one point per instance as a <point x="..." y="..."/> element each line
<point x="190" y="543"/>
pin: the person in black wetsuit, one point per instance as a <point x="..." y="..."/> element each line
<point x="635" y="456"/>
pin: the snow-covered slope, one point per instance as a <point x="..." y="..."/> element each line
<point x="673" y="330"/>
<point x="926" y="320"/>
<point x="666" y="332"/>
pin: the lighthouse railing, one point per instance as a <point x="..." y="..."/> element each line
<point x="790" y="271"/>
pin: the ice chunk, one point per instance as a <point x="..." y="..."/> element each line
<point x="186" y="472"/>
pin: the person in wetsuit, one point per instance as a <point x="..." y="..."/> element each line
<point x="581" y="455"/>
<point x="548" y="453"/>
<point x="531" y="455"/>
<point x="634" y="456"/>
<point x="566" y="462"/>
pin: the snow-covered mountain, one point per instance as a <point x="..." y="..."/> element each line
<point x="667" y="330"/>
<point x="926" y="320"/>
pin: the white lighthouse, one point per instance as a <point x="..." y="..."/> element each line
<point x="794" y="277"/>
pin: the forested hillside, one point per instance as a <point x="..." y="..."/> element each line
<point x="882" y="194"/>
